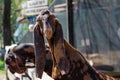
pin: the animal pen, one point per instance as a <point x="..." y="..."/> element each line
<point x="95" y="31"/>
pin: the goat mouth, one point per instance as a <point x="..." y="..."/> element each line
<point x="19" y="70"/>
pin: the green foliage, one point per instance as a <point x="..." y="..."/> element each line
<point x="49" y="2"/>
<point x="1" y="20"/>
<point x="16" y="6"/>
<point x="2" y="66"/>
<point x="15" y="12"/>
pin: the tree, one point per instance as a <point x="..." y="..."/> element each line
<point x="11" y="12"/>
<point x="6" y="23"/>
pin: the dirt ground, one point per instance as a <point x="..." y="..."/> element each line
<point x="2" y="76"/>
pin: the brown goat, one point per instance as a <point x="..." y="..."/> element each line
<point x="17" y="57"/>
<point x="68" y="63"/>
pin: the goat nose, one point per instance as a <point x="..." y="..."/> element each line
<point x="7" y="61"/>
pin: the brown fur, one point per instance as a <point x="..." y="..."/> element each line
<point x="17" y="56"/>
<point x="65" y="57"/>
<point x="60" y="63"/>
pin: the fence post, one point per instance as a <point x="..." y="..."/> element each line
<point x="70" y="23"/>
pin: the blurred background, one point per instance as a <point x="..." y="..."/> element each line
<point x="91" y="26"/>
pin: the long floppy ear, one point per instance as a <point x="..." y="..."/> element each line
<point x="59" y="51"/>
<point x="40" y="53"/>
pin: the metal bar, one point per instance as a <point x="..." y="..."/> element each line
<point x="70" y="22"/>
